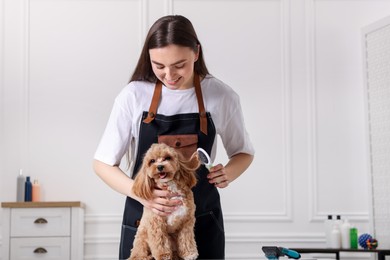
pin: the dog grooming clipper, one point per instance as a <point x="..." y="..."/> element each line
<point x="204" y="158"/>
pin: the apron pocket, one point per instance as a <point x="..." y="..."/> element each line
<point x="127" y="239"/>
<point x="186" y="144"/>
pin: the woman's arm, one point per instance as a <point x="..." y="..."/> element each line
<point x="221" y="175"/>
<point x="114" y="177"/>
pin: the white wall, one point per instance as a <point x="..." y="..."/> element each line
<point x="295" y="63"/>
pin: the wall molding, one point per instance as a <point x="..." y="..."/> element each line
<point x="144" y="6"/>
<point x="103" y="218"/>
<point x="2" y="88"/>
<point x="25" y="67"/>
<point x="169" y="9"/>
<point x="292" y="237"/>
<point x="286" y="213"/>
<point x="312" y="120"/>
<point x="312" y="112"/>
<point x="101" y="239"/>
<point x="25" y="88"/>
<point x="287" y="106"/>
<point x="244" y="240"/>
<point x="229" y="217"/>
<point x="234" y="217"/>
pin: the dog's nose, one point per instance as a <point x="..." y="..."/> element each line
<point x="160" y="168"/>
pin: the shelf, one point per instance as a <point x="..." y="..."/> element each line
<point x="381" y="253"/>
<point x="42" y="204"/>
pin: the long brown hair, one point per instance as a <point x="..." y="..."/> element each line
<point x="171" y="29"/>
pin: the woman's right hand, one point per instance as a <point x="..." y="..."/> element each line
<point x="163" y="203"/>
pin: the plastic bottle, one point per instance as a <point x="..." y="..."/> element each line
<point x="36" y="191"/>
<point x="353" y="237"/>
<point x="345" y="235"/>
<point x="28" y="189"/>
<point x="20" y="187"/>
<point x="338" y="222"/>
<point x="335" y="237"/>
<point x="328" y="230"/>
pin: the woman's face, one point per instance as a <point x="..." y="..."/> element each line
<point x="174" y="65"/>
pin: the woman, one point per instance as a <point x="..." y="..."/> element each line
<point x="172" y="98"/>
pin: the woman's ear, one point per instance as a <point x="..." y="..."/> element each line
<point x="197" y="53"/>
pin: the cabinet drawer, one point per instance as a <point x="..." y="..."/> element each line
<point x="53" y="248"/>
<point x="40" y="222"/>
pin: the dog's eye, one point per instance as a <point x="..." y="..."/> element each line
<point x="152" y="161"/>
<point x="168" y="158"/>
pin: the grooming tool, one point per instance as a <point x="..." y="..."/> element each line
<point x="204" y="158"/>
<point x="274" y="252"/>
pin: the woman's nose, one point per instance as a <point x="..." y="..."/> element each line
<point x="169" y="73"/>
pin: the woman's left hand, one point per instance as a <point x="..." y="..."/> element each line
<point x="217" y="176"/>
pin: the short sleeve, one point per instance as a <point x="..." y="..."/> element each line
<point x="233" y="132"/>
<point x="117" y="135"/>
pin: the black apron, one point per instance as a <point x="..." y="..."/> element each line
<point x="209" y="230"/>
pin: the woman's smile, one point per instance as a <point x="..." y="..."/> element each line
<point x="172" y="82"/>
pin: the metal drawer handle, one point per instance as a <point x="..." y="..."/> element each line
<point x="40" y="221"/>
<point x="40" y="250"/>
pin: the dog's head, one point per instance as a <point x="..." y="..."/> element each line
<point x="162" y="164"/>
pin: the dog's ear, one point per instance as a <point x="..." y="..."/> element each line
<point x="188" y="169"/>
<point x="188" y="177"/>
<point x="194" y="161"/>
<point x="143" y="185"/>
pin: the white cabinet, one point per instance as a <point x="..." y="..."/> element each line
<point x="43" y="230"/>
<point x="54" y="248"/>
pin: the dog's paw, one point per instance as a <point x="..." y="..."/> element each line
<point x="140" y="258"/>
<point x="191" y="256"/>
<point x="164" y="257"/>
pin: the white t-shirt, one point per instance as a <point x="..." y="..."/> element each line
<point x="122" y="130"/>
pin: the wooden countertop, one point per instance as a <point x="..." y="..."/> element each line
<point x="42" y="204"/>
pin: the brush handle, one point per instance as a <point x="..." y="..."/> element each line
<point x="290" y="253"/>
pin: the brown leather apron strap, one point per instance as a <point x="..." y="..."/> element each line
<point x="153" y="106"/>
<point x="202" y="110"/>
<point x="156" y="98"/>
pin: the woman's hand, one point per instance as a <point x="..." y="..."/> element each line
<point x="217" y="176"/>
<point x="163" y="203"/>
<point x="221" y="176"/>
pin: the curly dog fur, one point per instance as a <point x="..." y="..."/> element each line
<point x="166" y="237"/>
